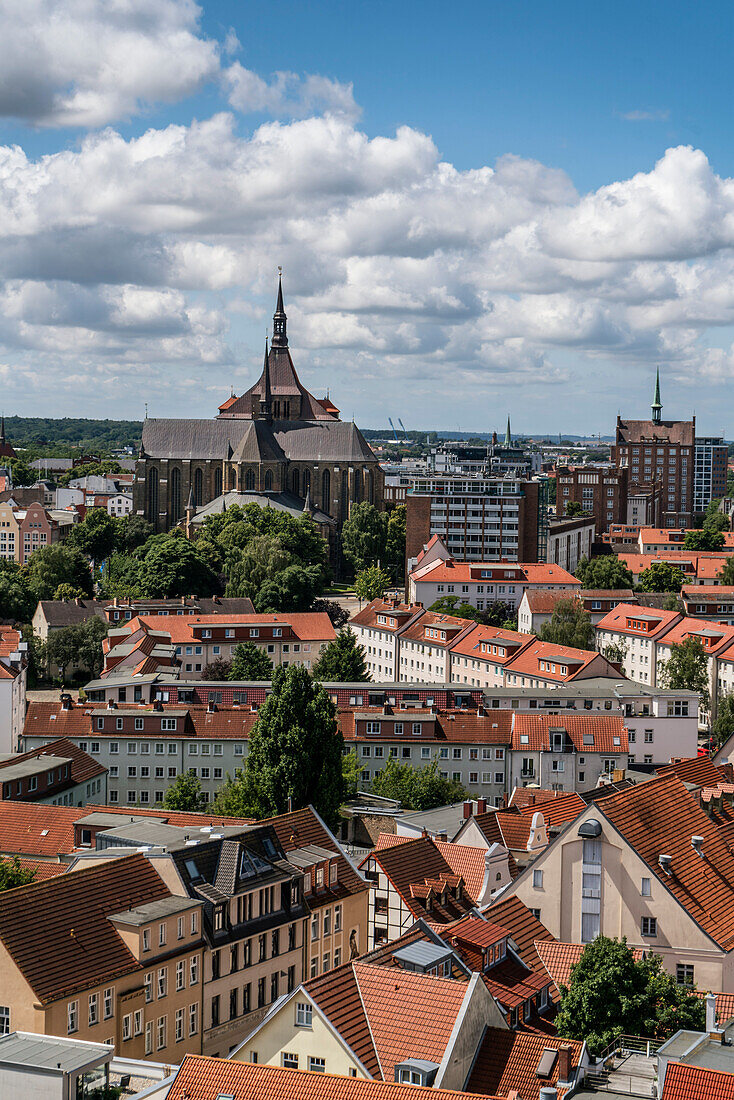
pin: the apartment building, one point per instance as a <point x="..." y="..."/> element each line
<point x="657" y="540"/>
<point x="150" y="643"/>
<point x="105" y="954"/>
<point x="600" y="490"/>
<point x="647" y="863"/>
<point x="424" y="646"/>
<point x="478" y="518"/>
<point x="60" y="773"/>
<point x="376" y="627"/>
<point x="486" y="583"/>
<point x="481" y="656"/>
<point x="569" y="540"/>
<point x="13" y="679"/>
<point x="701" y="569"/>
<point x="715" y="603"/>
<point x="566" y="753"/>
<point x="709" y="471"/>
<point x="537" y="608"/>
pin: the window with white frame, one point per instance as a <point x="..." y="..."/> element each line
<point x="304" y="1014"/>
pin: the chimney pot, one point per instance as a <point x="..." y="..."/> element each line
<point x="468" y="810"/>
<point x="710" y="1012"/>
<point x="442" y="836"/>
<point x="481" y="805"/>
<point x="697" y="844"/>
<point x="564" y="1065"/>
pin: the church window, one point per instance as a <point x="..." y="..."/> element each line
<point x="174" y="495"/>
<point x="198" y="487"/>
<point x="326" y="491"/>
<point x="250" y="481"/>
<point x="344" y="501"/>
<point x="153" y="495"/>
<point x="286" y="410"/>
<point x="357" y="492"/>
<point x="233" y="479"/>
<point x="370" y="487"/>
<point x="268" y="480"/>
<point x="276" y="410"/>
<point x="217" y="482"/>
<point x="306" y="481"/>
<point x="295" y="482"/>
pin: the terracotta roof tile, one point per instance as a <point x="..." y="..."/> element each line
<point x="607" y="731"/>
<point x="337" y="995"/>
<point x="451" y="625"/>
<point x="42" y="868"/>
<point x="401" y="612"/>
<point x="58" y="932"/>
<point x="465" y="861"/>
<point x="507" y="642"/>
<point x="697" y="770"/>
<point x="556" y="811"/>
<point x="83" y="766"/>
<point x="302" y="827"/>
<point x="27" y="828"/>
<point x="411" y="864"/>
<point x="661" y="816"/>
<point x="202" y="1078"/>
<point x="575" y="661"/>
<point x="683" y="1082"/>
<point x="616" y="620"/>
<point x="506" y="827"/>
<point x="509" y="1060"/>
<point x="559" y="958"/>
<point x="521" y="573"/>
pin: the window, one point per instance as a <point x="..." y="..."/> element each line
<point x="72" y="1017"/>
<point x="161" y="1032"/>
<point x="161" y="935"/>
<point x="93" y="1008"/>
<point x="179" y="1024"/>
<point x="317" y="1065"/>
<point x="127" y="1027"/>
<point x="149" y="1038"/>
<point x="107" y="1004"/>
<point x="162" y="981"/>
<point x="290" y="1061"/>
<point x="180" y="976"/>
<point x="193" y="1019"/>
<point x="649" y="926"/>
<point x="684" y="974"/>
<point x="148" y="983"/>
<point x="193" y="970"/>
<point x="337" y="918"/>
<point x="304" y="1014"/>
<point x="138" y="1021"/>
<point x="645" y="888"/>
<point x="146" y="939"/>
<point x="537" y="880"/>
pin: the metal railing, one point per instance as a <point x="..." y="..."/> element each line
<point x="631" y="1044"/>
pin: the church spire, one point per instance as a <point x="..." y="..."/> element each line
<point x="266" y="404"/>
<point x="656" y="404"/>
<point x="2" y="429"/>
<point x="280" y="333"/>
<point x="508" y="434"/>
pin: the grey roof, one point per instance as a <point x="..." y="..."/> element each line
<point x="60" y="613"/>
<point x="256" y="440"/>
<point x="442" y="819"/>
<point x="153" y="910"/>
<point x="47" y="1052"/>
<point x="309" y="855"/>
<point x="422" y="953"/>
<point x="31" y="767"/>
<point x="280" y="502"/>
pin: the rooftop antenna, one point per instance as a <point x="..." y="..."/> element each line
<point x="146" y="410"/>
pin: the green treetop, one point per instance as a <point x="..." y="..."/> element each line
<point x="342" y="661"/>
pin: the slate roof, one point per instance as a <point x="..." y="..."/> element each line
<point x="661" y="816"/>
<point x="303" y="827"/>
<point x="509" y="1060"/>
<point x="58" y="933"/>
<point x="60" y="613"/>
<point x="201" y="1078"/>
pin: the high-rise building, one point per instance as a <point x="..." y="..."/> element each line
<point x="710" y="471"/>
<point x="659" y="455"/>
<point x="600" y="490"/>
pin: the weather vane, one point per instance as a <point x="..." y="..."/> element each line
<point x="280" y="270"/>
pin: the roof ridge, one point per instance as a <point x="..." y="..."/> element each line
<point x="354" y="964"/>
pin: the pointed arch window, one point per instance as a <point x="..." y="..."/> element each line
<point x="174" y="495"/>
<point x="218" y="482"/>
<point x="370" y="487"/>
<point x="344" y="497"/>
<point x="268" y="480"/>
<point x="326" y="492"/>
<point x="306" y="481"/>
<point x="198" y="487"/>
<point x="249" y="481"/>
<point x="152" y="495"/>
<point x="296" y="482"/>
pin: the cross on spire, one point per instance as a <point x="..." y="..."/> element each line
<point x="656" y="406"/>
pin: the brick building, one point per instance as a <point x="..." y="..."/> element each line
<point x="600" y="490"/>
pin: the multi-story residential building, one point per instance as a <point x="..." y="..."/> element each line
<point x="600" y="490"/>
<point x="165" y="641"/>
<point x="486" y="583"/>
<point x="13" y="678"/>
<point x="376" y="627"/>
<point x="569" y="540"/>
<point x="566" y="753"/>
<point x="536" y="608"/>
<point x="425" y="646"/>
<point x="28" y="528"/>
<point x="660" y="457"/>
<point x="649" y="864"/>
<point x="709" y="472"/>
<point x="108" y="953"/>
<point x="478" y="519"/>
<point x="712" y="602"/>
<point x="60" y="773"/>
<point x="704" y="568"/>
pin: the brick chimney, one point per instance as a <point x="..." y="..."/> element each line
<point x="564" y="1065"/>
<point x="468" y="810"/>
<point x="481" y="805"/>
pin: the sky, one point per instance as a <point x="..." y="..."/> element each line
<point x="480" y="209"/>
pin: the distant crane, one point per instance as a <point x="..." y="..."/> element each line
<point x="394" y="429"/>
<point x="404" y="431"/>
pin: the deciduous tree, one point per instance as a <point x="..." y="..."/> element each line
<point x="661" y="576"/>
<point x="371" y="583"/>
<point x="12" y="874"/>
<point x="218" y="669"/>
<point x="342" y="661"/>
<point x="57" y="564"/>
<point x="364" y="536"/>
<point x="704" y="540"/>
<point x="250" y="662"/>
<point x="606" y="572"/>
<point x="417" y="788"/>
<point x="172" y="567"/>
<point x="569" y="625"/>
<point x="185" y="794"/>
<point x="723" y="725"/>
<point x="687" y="668"/>
<point x="95" y="536"/>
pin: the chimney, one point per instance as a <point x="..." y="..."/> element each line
<point x="211" y="706"/>
<point x="697" y="845"/>
<point x="481" y="805"/>
<point x="481" y="712"/>
<point x="468" y="810"/>
<point x="710" y="1013"/>
<point x="442" y="836"/>
<point x="548" y="1092"/>
<point x="564" y="1065"/>
<point x="665" y="862"/>
<point x="66" y="701"/>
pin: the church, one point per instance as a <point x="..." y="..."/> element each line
<point x="275" y="445"/>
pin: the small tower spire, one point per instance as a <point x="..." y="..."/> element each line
<point x="266" y="405"/>
<point x="2" y="428"/>
<point x="508" y="434"/>
<point x="656" y="404"/>
<point x="280" y="321"/>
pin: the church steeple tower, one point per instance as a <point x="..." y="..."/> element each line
<point x="280" y="321"/>
<point x="508" y="434"/>
<point x="656" y="406"/>
<point x="266" y="402"/>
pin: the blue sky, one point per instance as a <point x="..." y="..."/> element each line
<point x="482" y="208"/>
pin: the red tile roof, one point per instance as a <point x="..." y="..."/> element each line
<point x="520" y="573"/>
<point x="607" y="731"/>
<point x="661" y="816"/>
<point x="506" y="827"/>
<point x="509" y="1060"/>
<point x="201" y="1078"/>
<point x="557" y="811"/>
<point x="544" y="602"/>
<point x="576" y="661"/>
<point x="43" y="868"/>
<point x="308" y="625"/>
<point x="453" y="626"/>
<point x="715" y="637"/>
<point x="58" y="932"/>
<point x="465" y="861"/>
<point x="27" y="828"/>
<point x="508" y="643"/>
<point x="558" y="958"/>
<point x="410" y="867"/>
<point x="83" y="766"/>
<point x="401" y="612"/>
<point x="525" y="929"/>
<point x="683" y="1082"/>
<point x="302" y="827"/>
<point x="697" y="770"/>
<point x="616" y="619"/>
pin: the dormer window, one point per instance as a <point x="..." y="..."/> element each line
<point x="333" y="873"/>
<point x="319" y="878"/>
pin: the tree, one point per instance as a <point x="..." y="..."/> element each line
<point x="250" y="662"/>
<point x="261" y="560"/>
<point x="218" y="669"/>
<point x="417" y="788"/>
<point x="606" y="572"/>
<point x="395" y="542"/>
<point x="342" y="661"/>
<point x="610" y="994"/>
<point x="337" y="614"/>
<point x="723" y="725"/>
<point x="78" y="645"/>
<point x="364" y="537"/>
<point x="704" y="540"/>
<point x="173" y="567"/>
<point x="371" y="583"/>
<point x="569" y="625"/>
<point x="68" y="592"/>
<point x="131" y="532"/>
<point x="96" y="535"/>
<point x="351" y="774"/>
<point x="185" y="794"/>
<point x="661" y="576"/>
<point x="12" y="874"/>
<point x="62" y="648"/>
<point x="714" y="520"/>
<point x="57" y="564"/>
<point x="236" y="797"/>
<point x="296" y="748"/>
<point x="17" y="602"/>
<point x="671" y="602"/>
<point x="449" y="605"/>
<point x="726" y="576"/>
<point x="615" y="652"/>
<point x="291" y="590"/>
<point x="573" y="508"/>
<point x="687" y="668"/>
<point x="21" y="473"/>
